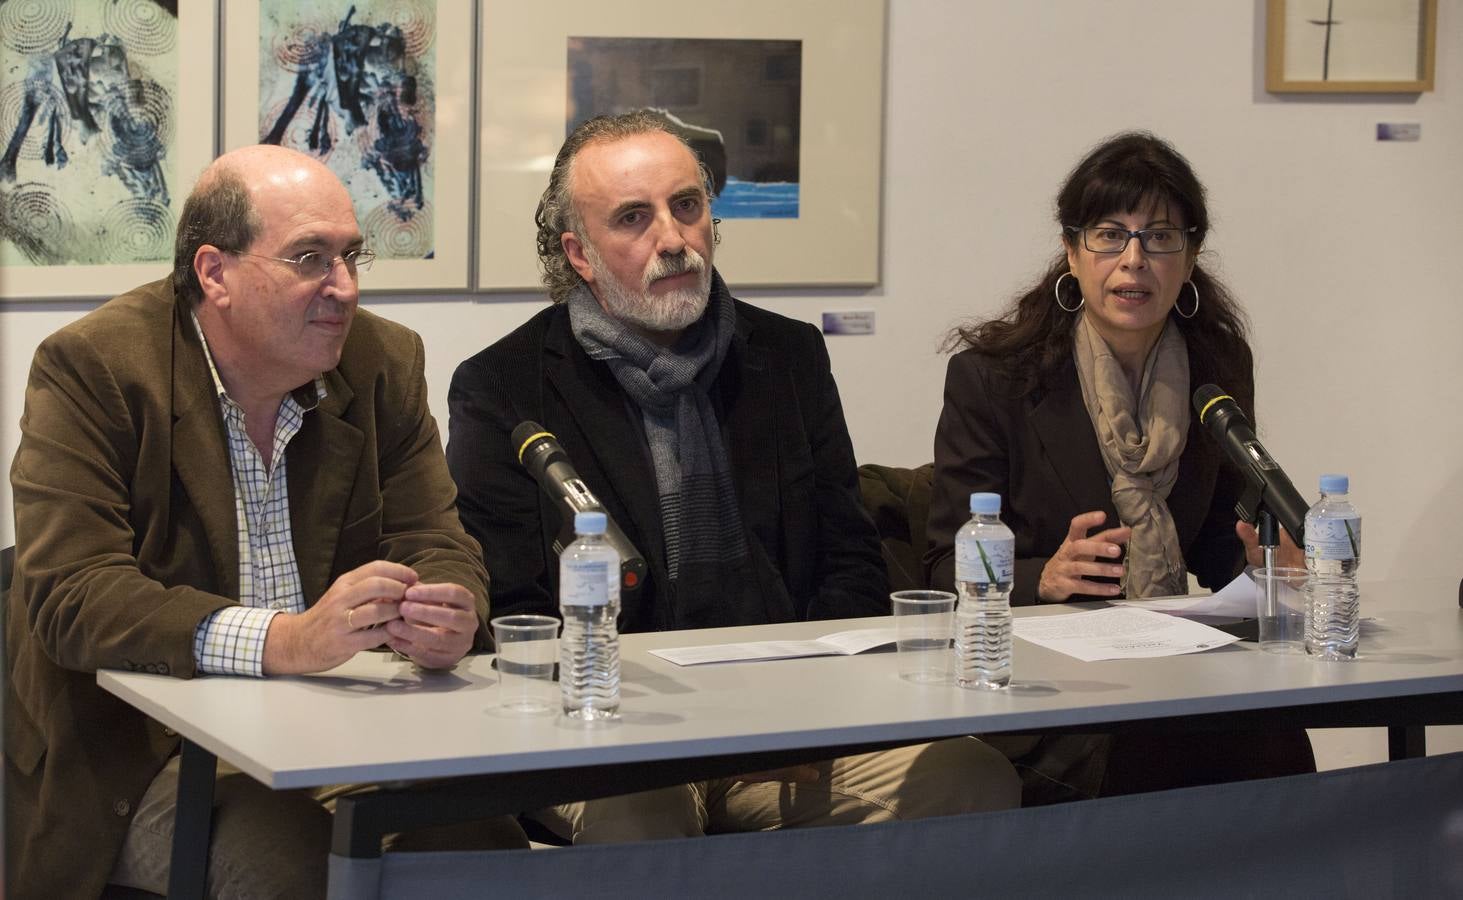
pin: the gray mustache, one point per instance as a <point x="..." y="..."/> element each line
<point x="665" y="266"/>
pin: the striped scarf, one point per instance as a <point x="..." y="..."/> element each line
<point x="698" y="503"/>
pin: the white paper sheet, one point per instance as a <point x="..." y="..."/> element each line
<point x="1234" y="600"/>
<point x="1119" y="633"/>
<point x="842" y="643"/>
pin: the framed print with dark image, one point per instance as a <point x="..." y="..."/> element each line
<point x="736" y="101"/>
<point x="782" y="101"/>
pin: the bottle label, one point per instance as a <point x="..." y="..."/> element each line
<point x="588" y="582"/>
<point x="1333" y="538"/>
<point x="985" y="562"/>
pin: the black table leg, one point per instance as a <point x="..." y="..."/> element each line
<point x="1406" y="741"/>
<point x="192" y="823"/>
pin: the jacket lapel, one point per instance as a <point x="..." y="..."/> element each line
<point x="750" y="412"/>
<point x="200" y="451"/>
<point x="324" y="461"/>
<point x="1064" y="428"/>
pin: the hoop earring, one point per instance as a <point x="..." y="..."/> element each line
<point x="1196" y="302"/>
<point x="1057" y="292"/>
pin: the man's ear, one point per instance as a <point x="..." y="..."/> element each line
<point x="574" y="250"/>
<point x="208" y="265"/>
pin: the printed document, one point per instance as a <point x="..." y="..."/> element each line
<point x="1120" y="632"/>
<point x="842" y="643"/>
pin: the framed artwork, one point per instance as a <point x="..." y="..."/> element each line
<point x="380" y="91"/>
<point x="1350" y="46"/>
<point x="782" y="100"/>
<point x="106" y="118"/>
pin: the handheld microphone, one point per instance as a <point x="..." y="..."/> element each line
<point x="1269" y="484"/>
<point x="541" y="454"/>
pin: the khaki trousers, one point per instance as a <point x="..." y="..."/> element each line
<point x="945" y="778"/>
<point x="269" y="843"/>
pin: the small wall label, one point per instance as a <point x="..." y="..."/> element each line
<point x="852" y="321"/>
<point x="1399" y="131"/>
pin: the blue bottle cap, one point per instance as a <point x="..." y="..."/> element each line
<point x="1335" y="484"/>
<point x="589" y="523"/>
<point x="985" y="504"/>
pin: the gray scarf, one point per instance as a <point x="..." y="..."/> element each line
<point x="698" y="504"/>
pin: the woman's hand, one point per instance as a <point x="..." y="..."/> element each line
<point x="1288" y="554"/>
<point x="1082" y="557"/>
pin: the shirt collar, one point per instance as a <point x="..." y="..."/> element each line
<point x="307" y="395"/>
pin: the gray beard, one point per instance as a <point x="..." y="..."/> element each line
<point x="670" y="312"/>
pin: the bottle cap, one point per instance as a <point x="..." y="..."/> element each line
<point x="1335" y="484"/>
<point x="985" y="504"/>
<point x="589" y="523"/>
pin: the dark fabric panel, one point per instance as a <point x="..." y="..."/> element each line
<point x="1388" y="830"/>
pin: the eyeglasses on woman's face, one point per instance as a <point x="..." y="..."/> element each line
<point x="1111" y="239"/>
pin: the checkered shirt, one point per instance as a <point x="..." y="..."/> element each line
<point x="231" y="640"/>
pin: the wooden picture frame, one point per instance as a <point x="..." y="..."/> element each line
<point x="421" y="244"/>
<point x="834" y="238"/>
<point x="92" y="194"/>
<point x="1390" y="49"/>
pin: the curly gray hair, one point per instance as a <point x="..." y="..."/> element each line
<point x="556" y="214"/>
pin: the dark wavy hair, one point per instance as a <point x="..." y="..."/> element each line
<point x="1129" y="171"/>
<point x="218" y="212"/>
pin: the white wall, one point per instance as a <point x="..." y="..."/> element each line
<point x="1341" y="248"/>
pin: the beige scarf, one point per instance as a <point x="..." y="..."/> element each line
<point x="1141" y="440"/>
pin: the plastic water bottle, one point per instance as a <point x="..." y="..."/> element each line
<point x="985" y="554"/>
<point x="1333" y="553"/>
<point x="589" y="601"/>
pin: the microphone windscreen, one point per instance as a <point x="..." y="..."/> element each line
<point x="526" y="433"/>
<point x="1204" y="399"/>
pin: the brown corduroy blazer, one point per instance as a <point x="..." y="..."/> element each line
<point x="126" y="541"/>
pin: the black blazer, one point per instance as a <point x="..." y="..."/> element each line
<point x="786" y="441"/>
<point x="1038" y="450"/>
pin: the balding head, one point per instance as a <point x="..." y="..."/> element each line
<point x="272" y="319"/>
<point x="223" y="209"/>
<point x="267" y="168"/>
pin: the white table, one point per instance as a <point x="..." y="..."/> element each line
<point x="376" y="719"/>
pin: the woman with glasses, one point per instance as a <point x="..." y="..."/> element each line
<point x="1074" y="406"/>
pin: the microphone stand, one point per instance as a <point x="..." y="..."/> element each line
<point x="1269" y="537"/>
<point x="1269" y="547"/>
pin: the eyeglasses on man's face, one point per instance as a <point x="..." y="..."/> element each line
<point x="316" y="266"/>
<point x="1111" y="239"/>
